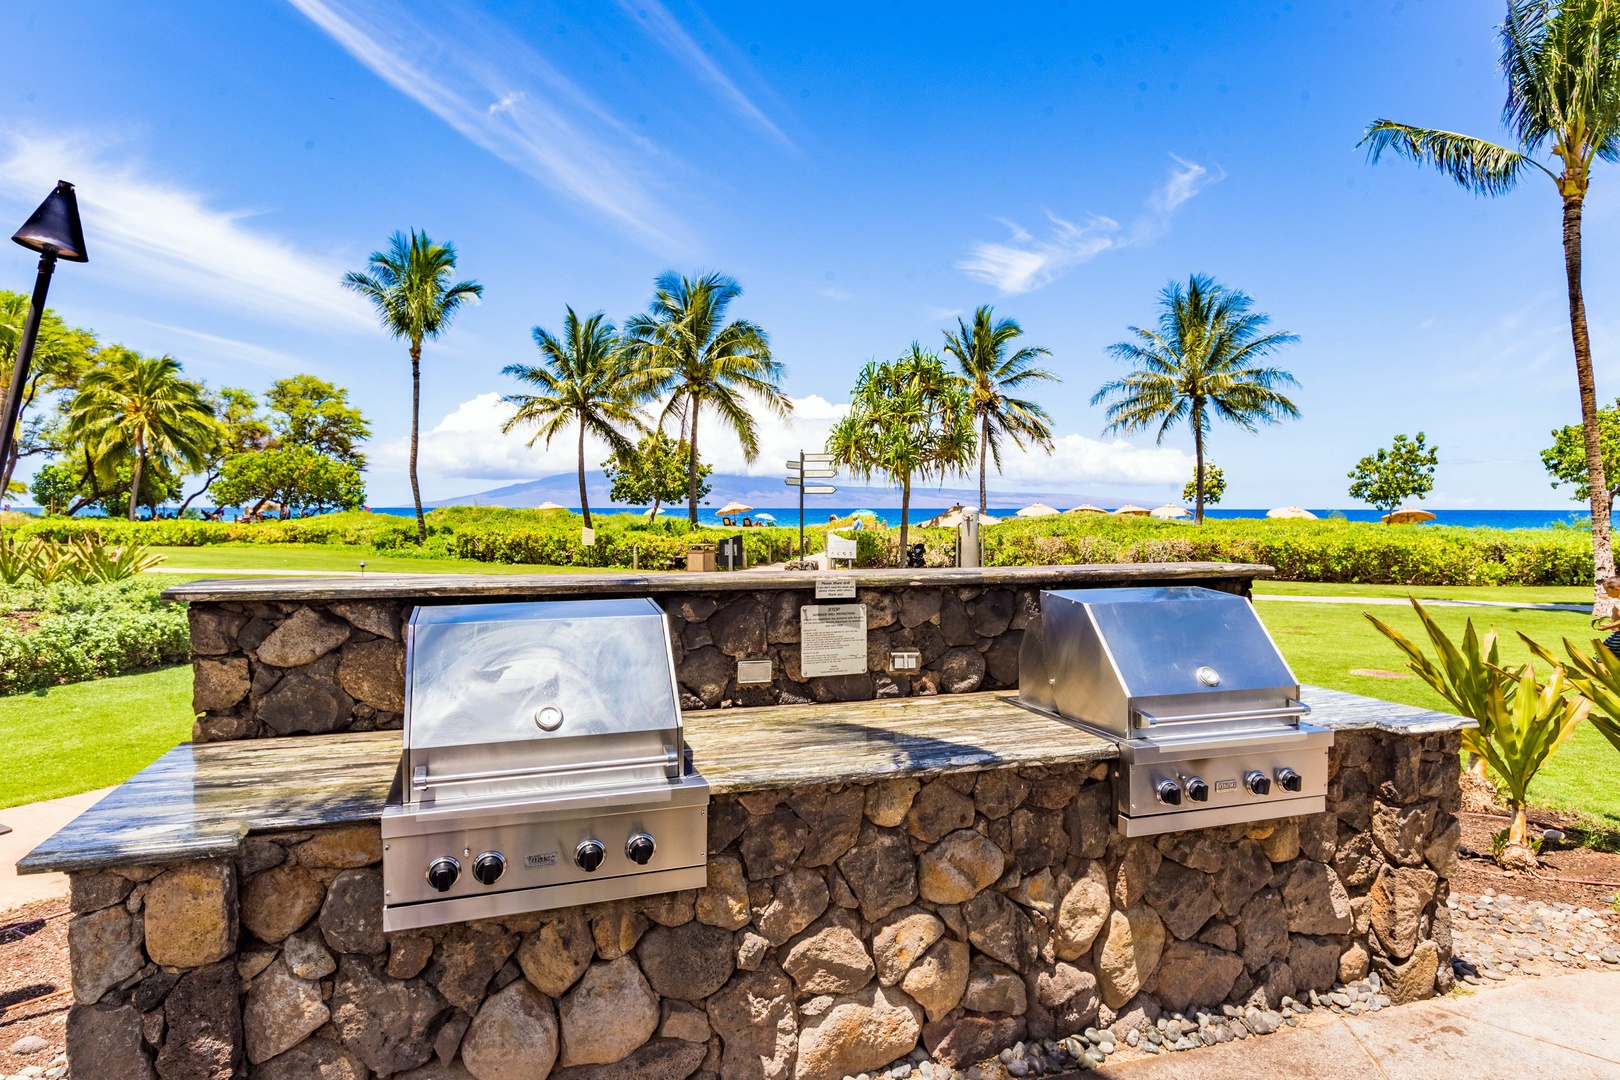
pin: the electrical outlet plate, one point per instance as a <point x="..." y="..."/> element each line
<point x="905" y="660"/>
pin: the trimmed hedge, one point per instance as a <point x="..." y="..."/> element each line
<point x="69" y="633"/>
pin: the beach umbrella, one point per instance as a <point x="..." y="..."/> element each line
<point x="733" y="508"/>
<point x="986" y="519"/>
<point x="949" y="519"/>
<point x="764" y="517"/>
<point x="549" y="505"/>
<point x="1291" y="512"/>
<point x="660" y="510"/>
<point x="1086" y="508"/>
<point x="1406" y="515"/>
<point x="1037" y="510"/>
<point x="1132" y="510"/>
<point x="1169" y="512"/>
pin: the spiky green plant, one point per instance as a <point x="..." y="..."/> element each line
<point x="1596" y="677"/>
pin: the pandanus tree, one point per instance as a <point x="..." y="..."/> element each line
<point x="993" y="376"/>
<point x="409" y="285"/>
<point x="584" y="380"/>
<point x="685" y="350"/>
<point x="908" y="419"/>
<point x="141" y="410"/>
<point x="1202" y="363"/>
<point x="1562" y="66"/>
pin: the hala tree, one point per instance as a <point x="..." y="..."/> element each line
<point x="908" y="419"/>
<point x="409" y="285"/>
<point x="1388" y="477"/>
<point x="1214" y="486"/>
<point x="653" y="473"/>
<point x="1561" y="61"/>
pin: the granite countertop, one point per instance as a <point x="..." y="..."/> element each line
<point x="610" y="584"/>
<point x="200" y="801"/>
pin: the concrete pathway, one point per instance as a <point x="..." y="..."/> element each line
<point x="218" y="572"/>
<point x="1556" y="1028"/>
<point x="1388" y="601"/>
<point x="30" y="825"/>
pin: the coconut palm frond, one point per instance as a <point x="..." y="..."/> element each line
<point x="1482" y="167"/>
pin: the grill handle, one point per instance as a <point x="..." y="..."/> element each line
<point x="1295" y="708"/>
<point x="421" y="781"/>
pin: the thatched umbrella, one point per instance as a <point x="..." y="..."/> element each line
<point x="1037" y="510"/>
<point x="1132" y="510"/>
<point x="1169" y="512"/>
<point x="1406" y="515"/>
<point x="1086" y="508"/>
<point x="1291" y="512"/>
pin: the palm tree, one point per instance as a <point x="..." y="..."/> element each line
<point x="1198" y="363"/>
<point x="683" y="347"/>
<point x="586" y="381"/>
<point x="907" y="418"/>
<point x="981" y="353"/>
<point x="1562" y="64"/>
<point x="409" y="285"/>
<point x="139" y="407"/>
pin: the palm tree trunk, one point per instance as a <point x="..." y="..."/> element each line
<point x="984" y="449"/>
<point x="1602" y="553"/>
<point x="584" y="504"/>
<point x="692" y="469"/>
<point x="135" y="482"/>
<point x="416" y="412"/>
<point x="905" y="515"/>
<point x="1198" y="454"/>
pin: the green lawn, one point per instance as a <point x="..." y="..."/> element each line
<point x="1523" y="594"/>
<point x="88" y="735"/>
<point x="326" y="558"/>
<point x="1324" y="642"/>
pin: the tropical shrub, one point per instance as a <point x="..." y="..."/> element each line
<point x="65" y="633"/>
<point x="1596" y="677"/>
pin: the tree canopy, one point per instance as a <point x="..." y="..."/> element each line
<point x="300" y="479"/>
<point x="1388" y="477"/>
<point x="1565" y="459"/>
<point x="653" y="473"/>
<point x="309" y="411"/>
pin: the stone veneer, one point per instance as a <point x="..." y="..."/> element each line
<point x="841" y="928"/>
<point x="287" y="667"/>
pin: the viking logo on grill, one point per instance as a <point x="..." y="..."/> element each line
<point x="549" y="858"/>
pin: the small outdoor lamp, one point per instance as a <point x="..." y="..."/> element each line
<point x="53" y="230"/>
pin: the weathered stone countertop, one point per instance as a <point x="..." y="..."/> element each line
<point x="201" y="801"/>
<point x="612" y="584"/>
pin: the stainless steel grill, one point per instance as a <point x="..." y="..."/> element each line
<point x="543" y="765"/>
<point x="1186" y="680"/>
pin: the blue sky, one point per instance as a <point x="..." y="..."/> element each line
<point x="867" y="172"/>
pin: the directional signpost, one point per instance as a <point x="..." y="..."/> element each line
<point x="810" y="467"/>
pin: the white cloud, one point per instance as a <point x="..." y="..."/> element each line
<point x="504" y="97"/>
<point x="1024" y="262"/>
<point x="468" y="445"/>
<point x="668" y="32"/>
<point x="162" y="238"/>
<point x="231" y="349"/>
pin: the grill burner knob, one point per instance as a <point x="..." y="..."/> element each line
<point x="639" y="848"/>
<point x="1197" y="790"/>
<point x="1258" y="783"/>
<point x="443" y="872"/>
<point x="1290" y="780"/>
<point x="1169" y="792"/>
<point x="589" y="855"/>
<point x="489" y="867"/>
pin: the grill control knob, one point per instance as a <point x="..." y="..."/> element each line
<point x="589" y="855"/>
<point x="1290" y="780"/>
<point x="443" y="872"/>
<point x="489" y="867"/>
<point x="1169" y="792"/>
<point x="1258" y="783"/>
<point x="639" y="848"/>
<point x="1197" y="790"/>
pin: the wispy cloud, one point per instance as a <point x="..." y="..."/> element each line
<point x="668" y="32"/>
<point x="230" y="349"/>
<point x="159" y="237"/>
<point x="1025" y="262"/>
<point x="505" y="98"/>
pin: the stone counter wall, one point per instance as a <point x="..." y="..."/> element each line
<point x="841" y="929"/>
<point x="285" y="668"/>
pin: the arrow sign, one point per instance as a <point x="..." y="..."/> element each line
<point x="819" y="489"/>
<point x="825" y="474"/>
<point x="794" y="481"/>
<point x="812" y="459"/>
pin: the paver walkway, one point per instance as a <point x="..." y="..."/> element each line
<point x="1395" y="601"/>
<point x="1557" y="1028"/>
<point x="30" y="826"/>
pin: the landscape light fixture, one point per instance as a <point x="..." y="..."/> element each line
<point x="53" y="230"/>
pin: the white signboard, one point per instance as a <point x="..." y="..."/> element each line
<point x="832" y="639"/>
<point x="835" y="588"/>
<point x="587" y="537"/>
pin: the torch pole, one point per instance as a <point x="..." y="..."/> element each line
<point x="25" y="356"/>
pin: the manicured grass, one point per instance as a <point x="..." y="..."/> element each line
<point x="1521" y="594"/>
<point x="84" y="736"/>
<point x="325" y="558"/>
<point x="1324" y="643"/>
